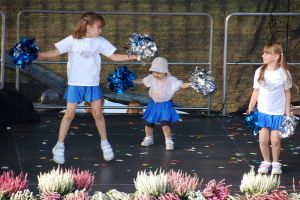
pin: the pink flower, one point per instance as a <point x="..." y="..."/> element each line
<point x="82" y="179"/>
<point x="77" y="195"/>
<point x="274" y="195"/>
<point x="168" y="196"/>
<point x="50" y="196"/>
<point x="216" y="191"/>
<point x="181" y="183"/>
<point x="9" y="183"/>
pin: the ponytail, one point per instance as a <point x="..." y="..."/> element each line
<point x="86" y="19"/>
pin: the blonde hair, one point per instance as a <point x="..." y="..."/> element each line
<point x="274" y="48"/>
<point x="88" y="18"/>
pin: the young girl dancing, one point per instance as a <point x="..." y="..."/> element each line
<point x="84" y="47"/>
<point x="160" y="108"/>
<point x="272" y="83"/>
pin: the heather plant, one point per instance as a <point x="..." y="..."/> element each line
<point x="294" y="196"/>
<point x="253" y="184"/>
<point x="77" y="195"/>
<point x="83" y="180"/>
<point x="97" y="196"/>
<point x="150" y="183"/>
<point x="22" y="195"/>
<point x="56" y="181"/>
<point x="168" y="196"/>
<point x="216" y="190"/>
<point x="9" y="183"/>
<point x="274" y="195"/>
<point x="2" y="197"/>
<point x="181" y="183"/>
<point x="116" y="195"/>
<point x="195" y="195"/>
<point x="50" y="196"/>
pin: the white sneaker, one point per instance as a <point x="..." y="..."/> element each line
<point x="147" y="141"/>
<point x="169" y="145"/>
<point x="108" y="153"/>
<point x="276" y="168"/>
<point x="264" y="167"/>
<point x="58" y="154"/>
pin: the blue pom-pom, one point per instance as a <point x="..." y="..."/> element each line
<point x="251" y="122"/>
<point x="121" y="79"/>
<point x="24" y="52"/>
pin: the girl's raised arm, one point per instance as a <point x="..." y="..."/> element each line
<point x="185" y="85"/>
<point x="138" y="81"/>
<point x="49" y="54"/>
<point x="122" y="57"/>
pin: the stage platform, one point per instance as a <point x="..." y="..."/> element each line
<point x="211" y="147"/>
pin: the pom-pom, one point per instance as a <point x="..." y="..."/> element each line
<point x="288" y="126"/>
<point x="121" y="79"/>
<point x="202" y="81"/>
<point x="251" y="122"/>
<point x="142" y="45"/>
<point x="24" y="52"/>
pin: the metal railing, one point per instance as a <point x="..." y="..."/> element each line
<point x="225" y="62"/>
<point x="210" y="52"/>
<point x="2" y="50"/>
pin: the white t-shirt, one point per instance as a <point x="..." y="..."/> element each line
<point x="162" y="90"/>
<point x="84" y="61"/>
<point x="271" y="96"/>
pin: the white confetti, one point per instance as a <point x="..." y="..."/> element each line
<point x="4" y="167"/>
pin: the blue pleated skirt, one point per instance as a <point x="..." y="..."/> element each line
<point x="273" y="122"/>
<point x="78" y="94"/>
<point x="160" y="111"/>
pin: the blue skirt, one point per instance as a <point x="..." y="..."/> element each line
<point x="161" y="111"/>
<point x="273" y="122"/>
<point x="78" y="94"/>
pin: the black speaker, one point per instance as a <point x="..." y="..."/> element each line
<point x="15" y="108"/>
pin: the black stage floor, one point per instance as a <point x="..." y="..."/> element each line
<point x="211" y="147"/>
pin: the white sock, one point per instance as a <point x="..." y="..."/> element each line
<point x="104" y="142"/>
<point x="149" y="137"/>
<point x="168" y="139"/>
<point x="60" y="144"/>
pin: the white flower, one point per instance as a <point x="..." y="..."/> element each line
<point x="56" y="180"/>
<point x="2" y="197"/>
<point x="294" y="196"/>
<point x="116" y="195"/>
<point x="97" y="196"/>
<point x="258" y="184"/>
<point x="195" y="195"/>
<point x="151" y="183"/>
<point x="22" y="195"/>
